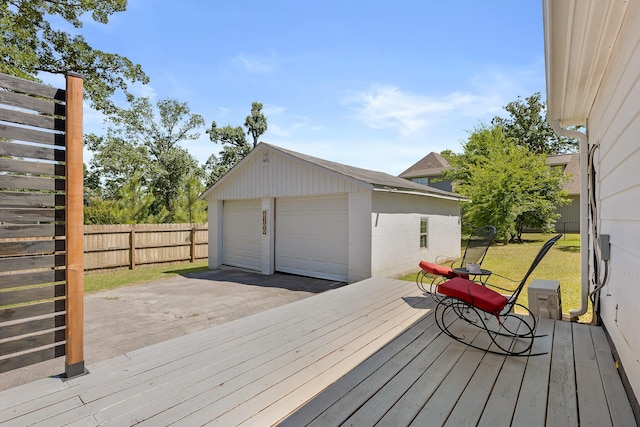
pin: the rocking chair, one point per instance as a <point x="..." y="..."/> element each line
<point x="433" y="273"/>
<point x="490" y="311"/>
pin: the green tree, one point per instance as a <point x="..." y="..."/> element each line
<point x="135" y="202"/>
<point x="142" y="146"/>
<point x="510" y="187"/>
<point x="33" y="42"/>
<point x="190" y="208"/>
<point x="256" y="122"/>
<point x="234" y="143"/>
<point x="101" y="211"/>
<point x="527" y="124"/>
<point x="116" y="160"/>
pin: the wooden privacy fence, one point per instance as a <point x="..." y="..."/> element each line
<point x="41" y="224"/>
<point x="130" y="246"/>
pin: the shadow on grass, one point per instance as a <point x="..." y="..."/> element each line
<point x="570" y="249"/>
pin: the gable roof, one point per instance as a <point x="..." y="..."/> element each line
<point x="433" y="164"/>
<point x="571" y="166"/>
<point x="378" y="180"/>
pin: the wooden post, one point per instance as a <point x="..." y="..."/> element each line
<point x="193" y="243"/>
<point x="74" y="223"/>
<point x="132" y="248"/>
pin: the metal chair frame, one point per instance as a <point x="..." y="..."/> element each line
<point x="476" y="249"/>
<point x="467" y="300"/>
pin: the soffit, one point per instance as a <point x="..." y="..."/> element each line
<point x="579" y="38"/>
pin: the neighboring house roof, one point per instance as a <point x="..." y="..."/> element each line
<point x="433" y="164"/>
<point x="571" y="164"/>
<point x="379" y="180"/>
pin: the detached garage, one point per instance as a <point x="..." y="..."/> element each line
<point x="278" y="210"/>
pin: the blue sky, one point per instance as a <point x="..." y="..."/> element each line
<point x="373" y="84"/>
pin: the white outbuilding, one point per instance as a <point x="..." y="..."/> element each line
<point x="278" y="210"/>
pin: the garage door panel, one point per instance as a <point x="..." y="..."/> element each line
<point x="241" y="242"/>
<point x="312" y="236"/>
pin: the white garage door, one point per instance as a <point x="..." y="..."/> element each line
<point x="241" y="234"/>
<point x="312" y="237"/>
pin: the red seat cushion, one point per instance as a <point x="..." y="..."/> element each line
<point x="474" y="294"/>
<point x="439" y="270"/>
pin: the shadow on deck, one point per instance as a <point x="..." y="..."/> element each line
<point x="362" y="354"/>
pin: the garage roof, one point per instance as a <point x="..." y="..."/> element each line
<point x="379" y="180"/>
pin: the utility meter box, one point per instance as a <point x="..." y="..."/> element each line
<point x="544" y="299"/>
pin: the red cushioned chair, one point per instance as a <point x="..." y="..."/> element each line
<point x="432" y="273"/>
<point x="491" y="310"/>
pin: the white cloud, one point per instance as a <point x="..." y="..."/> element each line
<point x="143" y="91"/>
<point x="480" y="98"/>
<point x="284" y="131"/>
<point x="384" y="107"/>
<point x="257" y="64"/>
<point x="273" y="110"/>
<point x="285" y="125"/>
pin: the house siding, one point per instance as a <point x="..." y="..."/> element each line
<point x="614" y="124"/>
<point x="280" y="176"/>
<point x="395" y="231"/>
<point x="360" y="244"/>
<point x="569" y="221"/>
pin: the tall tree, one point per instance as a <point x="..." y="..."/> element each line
<point x="234" y="143"/>
<point x="509" y="186"/>
<point x="133" y="206"/>
<point x="189" y="206"/>
<point x="527" y="124"/>
<point x="256" y="122"/>
<point x="32" y="41"/>
<point x="141" y="145"/>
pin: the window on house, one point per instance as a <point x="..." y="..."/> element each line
<point x="424" y="233"/>
<point x="423" y="181"/>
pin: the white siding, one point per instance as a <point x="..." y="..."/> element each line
<point x="614" y="123"/>
<point x="280" y="176"/>
<point x="360" y="235"/>
<point x="395" y="225"/>
<point x="215" y="234"/>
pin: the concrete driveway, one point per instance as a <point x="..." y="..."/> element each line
<point x="125" y="319"/>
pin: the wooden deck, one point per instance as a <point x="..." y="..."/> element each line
<point x="364" y="354"/>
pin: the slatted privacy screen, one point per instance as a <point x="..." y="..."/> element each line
<point x="32" y="222"/>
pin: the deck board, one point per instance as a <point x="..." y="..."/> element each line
<point x="621" y="413"/>
<point x="502" y="399"/>
<point x="412" y="401"/>
<point x="364" y="354"/>
<point x="377" y="401"/>
<point x="591" y="398"/>
<point x="355" y="380"/>
<point x="562" y="407"/>
<point x="531" y="407"/>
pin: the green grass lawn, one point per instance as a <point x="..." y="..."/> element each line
<point x="561" y="263"/>
<point x="115" y="279"/>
